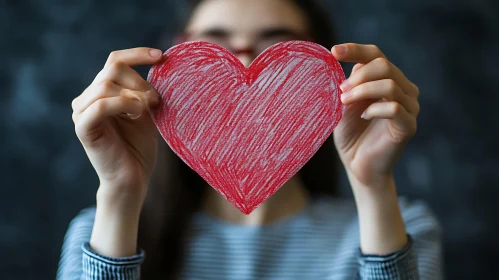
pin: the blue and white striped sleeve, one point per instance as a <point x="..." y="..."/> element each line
<point x="419" y="259"/>
<point x="399" y="265"/>
<point x="78" y="261"/>
<point x="99" y="267"/>
<point x="79" y="232"/>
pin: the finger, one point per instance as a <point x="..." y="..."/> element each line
<point x="88" y="99"/>
<point x="144" y="98"/>
<point x="381" y="89"/>
<point x="110" y="89"/>
<point x="415" y="90"/>
<point x="378" y="69"/>
<point x="136" y="56"/>
<point x="103" y="108"/>
<point x="94" y="92"/>
<point x="356" y="67"/>
<point x="351" y="52"/>
<point x="404" y="125"/>
<point x="123" y="75"/>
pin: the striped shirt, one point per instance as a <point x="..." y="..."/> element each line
<point x="320" y="242"/>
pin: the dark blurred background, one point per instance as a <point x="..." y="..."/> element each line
<point x="50" y="51"/>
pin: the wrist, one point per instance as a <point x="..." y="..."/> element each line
<point x="125" y="200"/>
<point x="116" y="226"/>
<point x="382" y="230"/>
<point x="377" y="182"/>
<point x="381" y="189"/>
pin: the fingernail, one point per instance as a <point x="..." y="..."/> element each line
<point x="341" y="49"/>
<point x="345" y="86"/>
<point x="155" y="53"/>
<point x="346" y="95"/>
<point x="364" y="115"/>
<point x="134" y="116"/>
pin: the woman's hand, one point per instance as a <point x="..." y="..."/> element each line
<point x="380" y="114"/>
<point x="120" y="139"/>
<point x="113" y="126"/>
<point x="381" y="107"/>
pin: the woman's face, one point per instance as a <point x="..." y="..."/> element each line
<point x="246" y="27"/>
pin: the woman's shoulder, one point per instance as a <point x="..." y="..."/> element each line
<point x="84" y="217"/>
<point x="419" y="218"/>
<point x="79" y="232"/>
<point x="80" y="227"/>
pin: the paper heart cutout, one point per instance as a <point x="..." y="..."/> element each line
<point x="247" y="131"/>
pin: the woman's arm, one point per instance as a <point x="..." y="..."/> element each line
<point x="381" y="106"/>
<point x="420" y="258"/>
<point x="79" y="261"/>
<point x="116" y="224"/>
<point x="120" y="140"/>
<point x="380" y="117"/>
<point x="382" y="229"/>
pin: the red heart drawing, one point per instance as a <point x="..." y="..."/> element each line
<point x="247" y="131"/>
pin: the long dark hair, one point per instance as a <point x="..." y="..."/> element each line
<point x="175" y="191"/>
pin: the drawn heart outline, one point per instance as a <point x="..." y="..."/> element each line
<point x="246" y="131"/>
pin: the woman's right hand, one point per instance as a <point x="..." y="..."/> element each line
<point x="113" y="124"/>
<point x="114" y="127"/>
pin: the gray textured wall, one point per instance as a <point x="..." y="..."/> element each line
<point x="50" y="51"/>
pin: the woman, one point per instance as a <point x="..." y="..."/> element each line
<point x="188" y="231"/>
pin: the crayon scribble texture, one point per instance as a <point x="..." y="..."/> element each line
<point x="51" y="50"/>
<point x="247" y="131"/>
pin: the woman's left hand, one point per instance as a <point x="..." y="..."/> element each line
<point x="379" y="117"/>
<point x="381" y="106"/>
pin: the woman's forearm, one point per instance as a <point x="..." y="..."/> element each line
<point x="382" y="229"/>
<point x="116" y="226"/>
